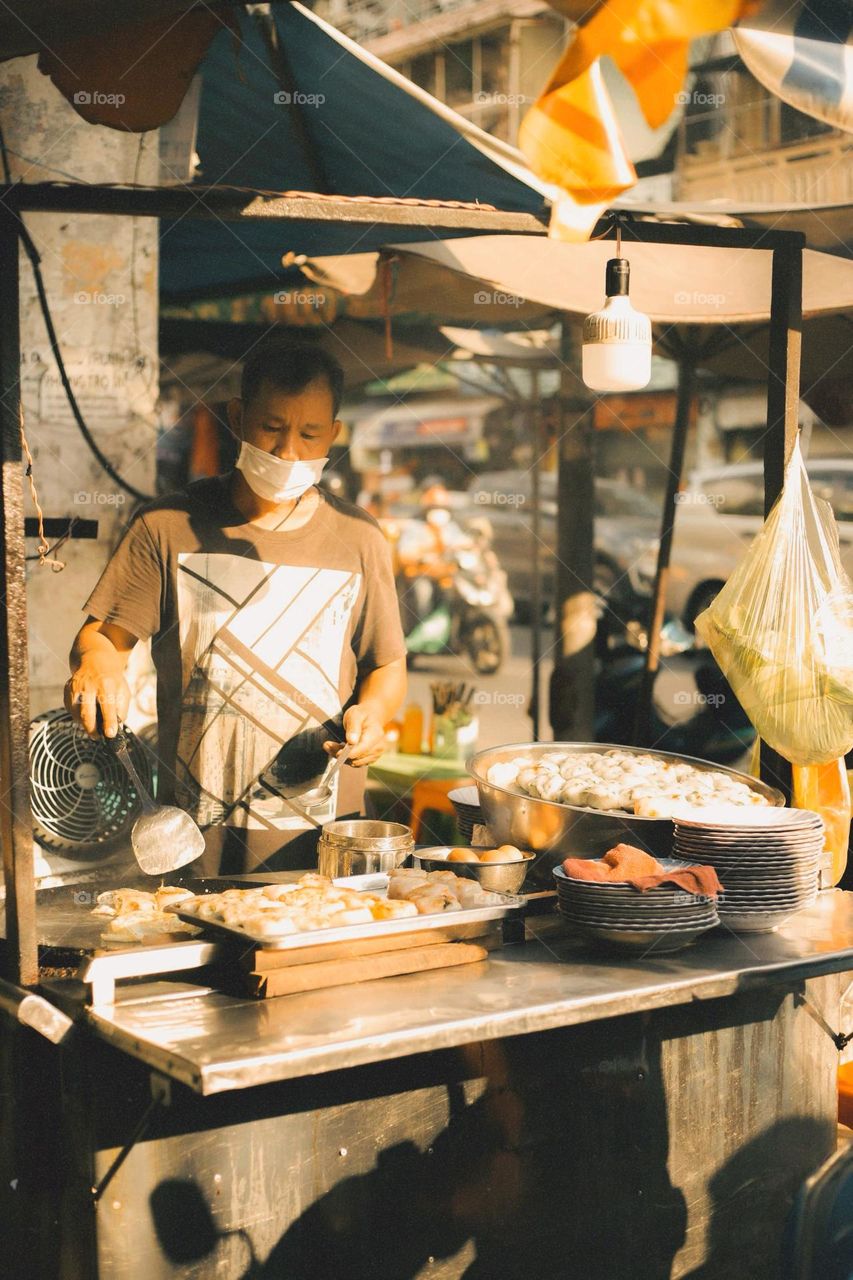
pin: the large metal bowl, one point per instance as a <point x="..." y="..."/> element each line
<point x="558" y="831"/>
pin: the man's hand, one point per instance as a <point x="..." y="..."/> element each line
<point x="364" y="732"/>
<point x="91" y="688"/>
<point x="97" y="682"/>
<point x="380" y="695"/>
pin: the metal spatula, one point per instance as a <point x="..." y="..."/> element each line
<point x="163" y="837"/>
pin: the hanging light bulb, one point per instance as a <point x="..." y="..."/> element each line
<point x="617" y="340"/>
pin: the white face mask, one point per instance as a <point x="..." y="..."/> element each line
<point x="276" y="479"/>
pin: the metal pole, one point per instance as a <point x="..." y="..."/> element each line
<point x="15" y="820"/>
<point x="783" y="402"/>
<point x="783" y="379"/>
<point x="686" y="386"/>
<point x="572" y="692"/>
<point x="533" y="419"/>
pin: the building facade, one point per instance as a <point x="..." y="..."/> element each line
<point x="739" y="140"/>
<point x="487" y="59"/>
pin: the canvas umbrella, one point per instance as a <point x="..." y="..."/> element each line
<point x="705" y="300"/>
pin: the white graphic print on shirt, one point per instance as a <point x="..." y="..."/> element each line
<point x="261" y="652"/>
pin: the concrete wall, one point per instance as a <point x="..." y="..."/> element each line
<point x="100" y="275"/>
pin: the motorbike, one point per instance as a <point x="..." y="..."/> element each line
<point x="456" y="601"/>
<point x="693" y="710"/>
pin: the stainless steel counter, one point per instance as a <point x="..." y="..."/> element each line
<point x="214" y="1042"/>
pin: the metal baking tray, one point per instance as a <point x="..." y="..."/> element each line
<point x="453" y="924"/>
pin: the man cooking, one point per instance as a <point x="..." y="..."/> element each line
<point x="274" y="623"/>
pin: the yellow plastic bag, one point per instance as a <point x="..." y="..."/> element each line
<point x="781" y="629"/>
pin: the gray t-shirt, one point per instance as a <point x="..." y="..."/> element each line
<point x="258" y="640"/>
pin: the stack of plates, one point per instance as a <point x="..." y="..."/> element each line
<point x="663" y="919"/>
<point x="768" y="861"/>
<point x="466" y="802"/>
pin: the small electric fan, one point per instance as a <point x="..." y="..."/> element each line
<point x="83" y="802"/>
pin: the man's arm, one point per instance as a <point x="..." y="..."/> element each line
<point x="98" y="661"/>
<point x="379" y="696"/>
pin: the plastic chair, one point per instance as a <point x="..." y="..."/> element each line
<point x="430" y="795"/>
<point x="819" y="1240"/>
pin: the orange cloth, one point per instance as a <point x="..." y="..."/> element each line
<point x="845" y="1094"/>
<point x="622" y="862"/>
<point x="625" y="863"/>
<point x="696" y="879"/>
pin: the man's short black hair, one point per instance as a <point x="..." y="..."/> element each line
<point x="292" y="368"/>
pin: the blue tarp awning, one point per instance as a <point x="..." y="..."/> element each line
<point x="342" y="123"/>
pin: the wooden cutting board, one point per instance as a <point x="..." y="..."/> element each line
<point x="258" y="960"/>
<point x="293" y="978"/>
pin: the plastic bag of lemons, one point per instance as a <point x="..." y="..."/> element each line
<point x="781" y="629"/>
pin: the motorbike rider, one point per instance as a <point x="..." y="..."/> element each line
<point x="424" y="555"/>
<point x="479" y="529"/>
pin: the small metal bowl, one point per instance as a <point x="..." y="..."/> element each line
<point x="362" y="846"/>
<point x="495" y="877"/>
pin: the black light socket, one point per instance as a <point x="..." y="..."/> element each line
<point x="617" y="277"/>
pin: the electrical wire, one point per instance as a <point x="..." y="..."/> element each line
<point x="32" y="254"/>
<point x="44" y="553"/>
<point x="35" y="262"/>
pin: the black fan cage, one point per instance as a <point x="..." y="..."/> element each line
<point x="83" y="802"/>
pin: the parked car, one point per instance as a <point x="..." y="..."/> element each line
<point x="719" y="514"/>
<point x="626" y="521"/>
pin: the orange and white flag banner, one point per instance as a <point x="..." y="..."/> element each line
<point x="571" y="135"/>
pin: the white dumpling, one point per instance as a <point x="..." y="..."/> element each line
<point x="527" y="779"/>
<point x="573" y="768"/>
<point x="601" y="797"/>
<point x="682" y="771"/>
<point x="644" y="767"/>
<point x="551" y="788"/>
<point x="503" y="774"/>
